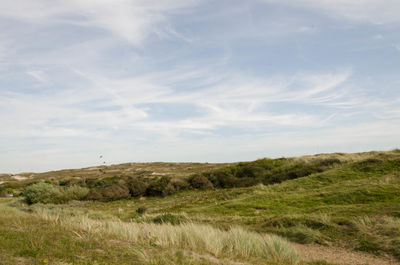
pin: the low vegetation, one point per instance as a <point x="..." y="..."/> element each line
<point x="188" y="239"/>
<point x="245" y="174"/>
<point x="217" y="215"/>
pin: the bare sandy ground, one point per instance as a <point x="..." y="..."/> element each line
<point x="16" y="177"/>
<point x="340" y="256"/>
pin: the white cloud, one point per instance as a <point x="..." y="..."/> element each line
<point x="109" y="104"/>
<point x="132" y="20"/>
<point x="306" y="29"/>
<point x="371" y="11"/>
<point x="38" y="75"/>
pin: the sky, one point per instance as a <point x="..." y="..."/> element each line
<point x="195" y="80"/>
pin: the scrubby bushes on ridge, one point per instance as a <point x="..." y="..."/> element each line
<point x="266" y="171"/>
<point x="245" y="174"/>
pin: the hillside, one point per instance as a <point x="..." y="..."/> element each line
<point x="148" y="169"/>
<point x="341" y="202"/>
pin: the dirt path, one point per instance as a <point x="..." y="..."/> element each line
<point x="341" y="256"/>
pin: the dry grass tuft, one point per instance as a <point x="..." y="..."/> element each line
<point x="236" y="242"/>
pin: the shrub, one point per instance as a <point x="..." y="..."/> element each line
<point x="3" y="193"/>
<point x="137" y="187"/>
<point x="179" y="183"/>
<point x="75" y="193"/>
<point x="326" y="162"/>
<point x="200" y="182"/>
<point x="109" y="193"/>
<point x="170" y="219"/>
<point x="89" y="182"/>
<point x="169" y="190"/>
<point x="368" y="165"/>
<point x="43" y="193"/>
<point x="63" y="182"/>
<point x="226" y="180"/>
<point x="247" y="182"/>
<point x="95" y="195"/>
<point x="141" y="210"/>
<point x="70" y="182"/>
<point x="249" y="170"/>
<point x="157" y="186"/>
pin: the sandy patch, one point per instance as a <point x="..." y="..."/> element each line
<point x="340" y="256"/>
<point x="158" y="173"/>
<point x="19" y="177"/>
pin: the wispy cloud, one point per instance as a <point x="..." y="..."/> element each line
<point x="194" y="80"/>
<point x="371" y="11"/>
<point x="132" y="20"/>
<point x="38" y="75"/>
<point x="109" y="104"/>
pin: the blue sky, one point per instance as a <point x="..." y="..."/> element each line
<point x="195" y="80"/>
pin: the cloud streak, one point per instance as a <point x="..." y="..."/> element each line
<point x="124" y="104"/>
<point x="194" y="80"/>
<point x="369" y="11"/>
<point x="132" y="20"/>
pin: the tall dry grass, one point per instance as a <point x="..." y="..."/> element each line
<point x="236" y="242"/>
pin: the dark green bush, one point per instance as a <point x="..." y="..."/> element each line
<point x="63" y="182"/>
<point x="368" y="165"/>
<point x="137" y="187"/>
<point x="89" y="182"/>
<point x="225" y="179"/>
<point x="170" y="219"/>
<point x="250" y="170"/>
<point x="43" y="193"/>
<point x="141" y="210"/>
<point x="200" y="182"/>
<point x="326" y="162"/>
<point x="179" y="183"/>
<point x="157" y="187"/>
<point x="169" y="190"/>
<point x="248" y="182"/>
<point x="70" y="182"/>
<point x="112" y="192"/>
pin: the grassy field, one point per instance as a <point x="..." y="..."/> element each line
<point x="351" y="203"/>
